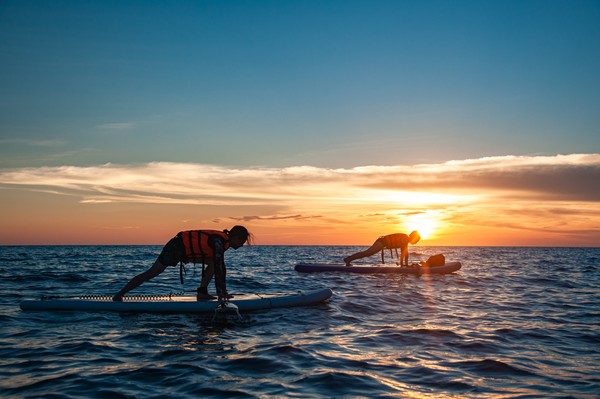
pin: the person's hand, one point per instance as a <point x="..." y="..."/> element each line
<point x="224" y="296"/>
<point x="118" y="298"/>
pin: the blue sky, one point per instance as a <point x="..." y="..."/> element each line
<point x="329" y="84"/>
<point x="314" y="122"/>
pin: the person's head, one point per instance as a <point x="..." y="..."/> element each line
<point x="414" y="237"/>
<point x="238" y="235"/>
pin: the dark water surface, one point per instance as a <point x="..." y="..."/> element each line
<point x="512" y="323"/>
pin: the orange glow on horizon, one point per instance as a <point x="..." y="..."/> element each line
<point x="491" y="201"/>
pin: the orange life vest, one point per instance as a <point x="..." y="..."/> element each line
<point x="197" y="244"/>
<point x="397" y="240"/>
<point x="393" y="241"/>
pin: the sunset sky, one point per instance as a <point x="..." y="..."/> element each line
<point x="309" y="122"/>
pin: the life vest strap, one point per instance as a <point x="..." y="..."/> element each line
<point x="182" y="271"/>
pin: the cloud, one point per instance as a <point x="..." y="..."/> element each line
<point x="551" y="178"/>
<point x="562" y="177"/>
<point x="537" y="200"/>
<point x="292" y="217"/>
<point x="33" y="142"/>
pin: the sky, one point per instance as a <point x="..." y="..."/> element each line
<point x="309" y="122"/>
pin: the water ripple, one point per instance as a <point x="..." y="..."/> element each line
<point x="513" y="322"/>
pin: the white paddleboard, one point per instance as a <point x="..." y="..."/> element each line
<point x="175" y="303"/>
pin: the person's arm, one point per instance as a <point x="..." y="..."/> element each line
<point x="404" y="255"/>
<point x="220" y="269"/>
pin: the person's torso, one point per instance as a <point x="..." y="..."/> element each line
<point x="397" y="240"/>
<point x="199" y="244"/>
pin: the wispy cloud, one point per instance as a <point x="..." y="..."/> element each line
<point x="262" y="218"/>
<point x="33" y="142"/>
<point x="551" y="178"/>
<point x="561" y="177"/>
<point x="528" y="194"/>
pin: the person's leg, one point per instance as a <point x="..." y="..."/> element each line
<point x="156" y="269"/>
<point x="376" y="247"/>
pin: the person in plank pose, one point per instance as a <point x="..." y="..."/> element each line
<point x="391" y="241"/>
<point x="199" y="246"/>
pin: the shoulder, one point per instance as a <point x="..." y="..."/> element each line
<point x="217" y="241"/>
<point x="398" y="236"/>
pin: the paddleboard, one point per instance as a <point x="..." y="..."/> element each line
<point x="175" y="303"/>
<point x="368" y="269"/>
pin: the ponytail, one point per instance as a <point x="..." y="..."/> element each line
<point x="242" y="232"/>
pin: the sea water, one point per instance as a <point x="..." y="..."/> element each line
<point x="512" y="323"/>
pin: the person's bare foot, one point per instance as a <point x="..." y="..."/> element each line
<point x="204" y="297"/>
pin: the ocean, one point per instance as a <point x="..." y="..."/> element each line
<point x="512" y="323"/>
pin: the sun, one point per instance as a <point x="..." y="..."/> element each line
<point x="426" y="223"/>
